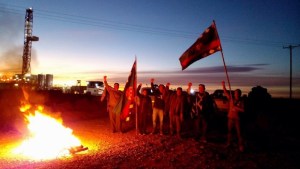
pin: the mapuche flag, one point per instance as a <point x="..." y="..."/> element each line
<point x="207" y="44"/>
<point x="126" y="102"/>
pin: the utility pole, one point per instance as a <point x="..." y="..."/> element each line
<point x="291" y="47"/>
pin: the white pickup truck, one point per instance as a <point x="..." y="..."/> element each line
<point x="94" y="88"/>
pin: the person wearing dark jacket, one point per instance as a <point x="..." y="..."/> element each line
<point x="144" y="109"/>
<point x="159" y="106"/>
<point x="201" y="110"/>
<point x="176" y="111"/>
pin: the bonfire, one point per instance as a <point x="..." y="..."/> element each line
<point x="47" y="137"/>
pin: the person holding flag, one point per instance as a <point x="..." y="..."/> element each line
<point x="126" y="106"/>
<point x="207" y="44"/>
<point x="114" y="96"/>
<point x="236" y="106"/>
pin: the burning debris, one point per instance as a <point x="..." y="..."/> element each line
<point x="77" y="149"/>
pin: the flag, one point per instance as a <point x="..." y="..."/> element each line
<point x="207" y="44"/>
<point x="126" y="101"/>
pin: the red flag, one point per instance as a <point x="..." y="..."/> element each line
<point x="207" y="44"/>
<point x="126" y="102"/>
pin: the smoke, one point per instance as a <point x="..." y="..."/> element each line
<point x="11" y="61"/>
<point x="11" y="42"/>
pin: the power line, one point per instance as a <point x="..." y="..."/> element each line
<point x="106" y="24"/>
<point x="111" y="25"/>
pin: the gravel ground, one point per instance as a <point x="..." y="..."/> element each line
<point x="129" y="150"/>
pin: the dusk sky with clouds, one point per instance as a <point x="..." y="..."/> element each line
<point x="85" y="40"/>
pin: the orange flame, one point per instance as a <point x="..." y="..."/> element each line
<point x="48" y="138"/>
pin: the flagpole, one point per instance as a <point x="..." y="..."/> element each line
<point x="136" y="110"/>
<point x="224" y="62"/>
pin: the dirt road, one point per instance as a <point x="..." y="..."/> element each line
<point x="129" y="150"/>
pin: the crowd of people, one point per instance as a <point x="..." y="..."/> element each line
<point x="169" y="108"/>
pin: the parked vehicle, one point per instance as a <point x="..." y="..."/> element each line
<point x="94" y="88"/>
<point x="221" y="103"/>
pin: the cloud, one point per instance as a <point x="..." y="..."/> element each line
<point x="219" y="69"/>
<point x="214" y="69"/>
<point x="214" y="72"/>
<point x="211" y="76"/>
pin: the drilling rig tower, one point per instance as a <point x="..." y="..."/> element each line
<point x="28" y="38"/>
